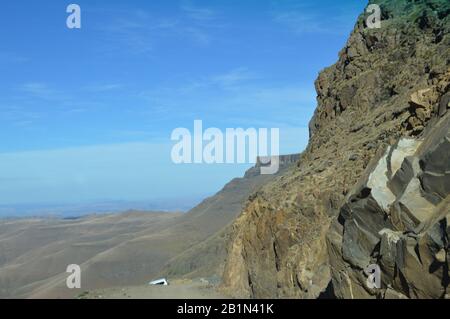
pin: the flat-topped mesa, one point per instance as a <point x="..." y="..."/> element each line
<point x="284" y="160"/>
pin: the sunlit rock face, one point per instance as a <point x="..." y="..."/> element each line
<point x="406" y="236"/>
<point x="310" y="232"/>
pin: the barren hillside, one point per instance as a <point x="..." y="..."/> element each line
<point x="124" y="249"/>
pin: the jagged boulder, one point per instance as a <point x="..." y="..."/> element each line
<point x="397" y="217"/>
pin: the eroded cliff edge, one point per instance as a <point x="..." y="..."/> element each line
<point x="389" y="84"/>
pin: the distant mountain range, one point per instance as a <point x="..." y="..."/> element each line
<point x="66" y="210"/>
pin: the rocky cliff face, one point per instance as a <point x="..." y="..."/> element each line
<point x="397" y="217"/>
<point x="381" y="123"/>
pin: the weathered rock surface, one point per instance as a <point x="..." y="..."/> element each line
<point x="398" y="222"/>
<point x="376" y="108"/>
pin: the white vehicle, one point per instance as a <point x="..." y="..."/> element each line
<point x="162" y="282"/>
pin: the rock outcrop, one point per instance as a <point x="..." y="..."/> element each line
<point x="397" y="217"/>
<point x="376" y="124"/>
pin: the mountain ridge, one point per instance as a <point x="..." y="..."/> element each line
<point x="388" y="83"/>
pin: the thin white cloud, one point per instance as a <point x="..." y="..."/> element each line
<point x="198" y="35"/>
<point x="137" y="33"/>
<point x="104" y="87"/>
<point x="307" y="18"/>
<point x="23" y="124"/>
<point x="18" y="116"/>
<point x="170" y="97"/>
<point x="223" y="81"/>
<point x="198" y="22"/>
<point x="140" y="32"/>
<point x="41" y="90"/>
<point x="238" y="91"/>
<point x="233" y="77"/>
<point x="35" y="97"/>
<point x="198" y="13"/>
<point x="12" y="113"/>
<point x="300" y="22"/>
<point x="12" y="58"/>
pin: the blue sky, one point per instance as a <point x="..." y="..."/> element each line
<point x="87" y="114"/>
